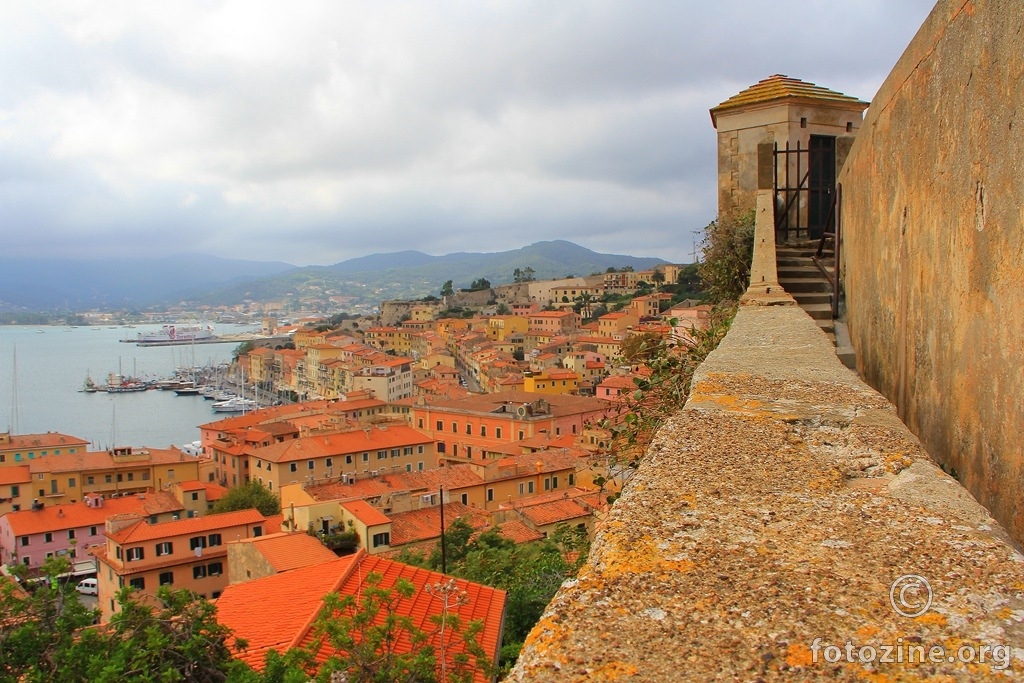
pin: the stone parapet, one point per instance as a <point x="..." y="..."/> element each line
<point x="786" y="526"/>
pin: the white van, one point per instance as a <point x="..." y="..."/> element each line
<point x="87" y="587"/>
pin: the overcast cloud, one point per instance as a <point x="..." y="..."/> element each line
<point x="312" y="132"/>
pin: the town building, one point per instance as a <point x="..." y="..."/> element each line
<point x="187" y="553"/>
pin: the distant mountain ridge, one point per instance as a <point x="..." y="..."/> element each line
<point x="360" y="283"/>
<point x="367" y="280"/>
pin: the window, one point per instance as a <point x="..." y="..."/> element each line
<point x="71" y="482"/>
<point x="106" y="478"/>
<point x="490" y="495"/>
<point x="131" y="476"/>
<point x="166" y="578"/>
<point x="547" y="483"/>
<point x="408" y="467"/>
<point x="572" y="479"/>
<point x="15" y="492"/>
<point x="199" y="571"/>
<point x="366" y="457"/>
<point x="197" y="542"/>
<point x="348" y="459"/>
<point x="153" y="519"/>
<point x="419" y="423"/>
<point x="522" y="488"/>
<point x="47" y="537"/>
<point x="215" y="569"/>
<point x="455" y="427"/>
<point x="165" y="548"/>
<point x="92" y="531"/>
<point x="407" y="450"/>
<point x="24" y="541"/>
<point x="465" y="499"/>
<point x="195" y="495"/>
<point x="120" y="477"/>
<point x="133" y="554"/>
<point x="214" y="540"/>
<point x="497" y="432"/>
<point x="90" y="480"/>
<point x="395" y="452"/>
<point x="483" y="430"/>
<point x="419" y="449"/>
<point x="329" y="462"/>
<point x="117" y="551"/>
<point x="529" y="487"/>
<point x="170" y="474"/>
<point x="382" y="455"/>
<point x="419" y="465"/>
<point x="71" y="534"/>
<point x="469" y="452"/>
<point x="138" y="583"/>
<point x="520" y="434"/>
<point x="441" y="447"/>
<point x="293" y="467"/>
<point x="554" y="482"/>
<point x="381" y="539"/>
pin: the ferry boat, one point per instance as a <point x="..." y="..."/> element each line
<point x="182" y="334"/>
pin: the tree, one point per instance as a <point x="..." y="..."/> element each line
<point x="372" y="641"/>
<point x="523" y="275"/>
<point x="447" y="289"/>
<point x="480" y="284"/>
<point x="728" y="251"/>
<point x="242" y="349"/>
<point x="658" y="278"/>
<point x="503" y="309"/>
<point x="37" y="627"/>
<point x="251" y="494"/>
<point x="173" y="636"/>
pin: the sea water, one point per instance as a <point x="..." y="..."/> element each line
<point x="42" y="371"/>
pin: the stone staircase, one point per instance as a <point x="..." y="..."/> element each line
<point x="802" y="279"/>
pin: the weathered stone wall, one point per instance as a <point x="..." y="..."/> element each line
<point x="768" y="534"/>
<point x="933" y="225"/>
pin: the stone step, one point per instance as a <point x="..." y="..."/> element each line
<point x="797" y="286"/>
<point x="799" y="272"/>
<point x="828" y="327"/>
<point x="811" y="297"/>
<point x="818" y="311"/>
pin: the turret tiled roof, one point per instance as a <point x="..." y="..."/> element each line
<point x="779" y="87"/>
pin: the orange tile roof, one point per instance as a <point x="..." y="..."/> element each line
<point x="214" y="492"/>
<point x="47" y="440"/>
<point x="555" y="512"/>
<point x="141" y="531"/>
<point x="453" y="477"/>
<point x="365" y="513"/>
<point x="193" y="485"/>
<point x="517" y="532"/>
<point x="14" y="474"/>
<point x="355" y="441"/>
<point x="289" y="551"/>
<point x="103" y="460"/>
<point x="295" y="598"/>
<point x="780" y="87"/>
<point x="76" y="515"/>
<point x="425" y="524"/>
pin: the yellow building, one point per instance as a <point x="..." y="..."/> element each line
<point x="187" y="553"/>
<point x="551" y="381"/>
<point x="500" y="327"/>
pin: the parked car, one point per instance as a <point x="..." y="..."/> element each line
<point x="87" y="587"/>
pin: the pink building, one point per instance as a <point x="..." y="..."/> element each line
<point x="30" y="536"/>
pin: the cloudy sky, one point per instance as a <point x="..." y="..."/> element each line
<point x="311" y="132"/>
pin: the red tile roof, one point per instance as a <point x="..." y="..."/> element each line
<point x="355" y="441"/>
<point x="193" y="485"/>
<point x="286" y="552"/>
<point x="103" y="460"/>
<point x="780" y="87"/>
<point x="290" y="597"/>
<point x="14" y="474"/>
<point x="518" y="532"/>
<point x="555" y="512"/>
<point x="141" y="531"/>
<point x="76" y="515"/>
<point x="47" y="440"/>
<point x="365" y="513"/>
<point x="214" y="492"/>
<point x="424" y="524"/>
